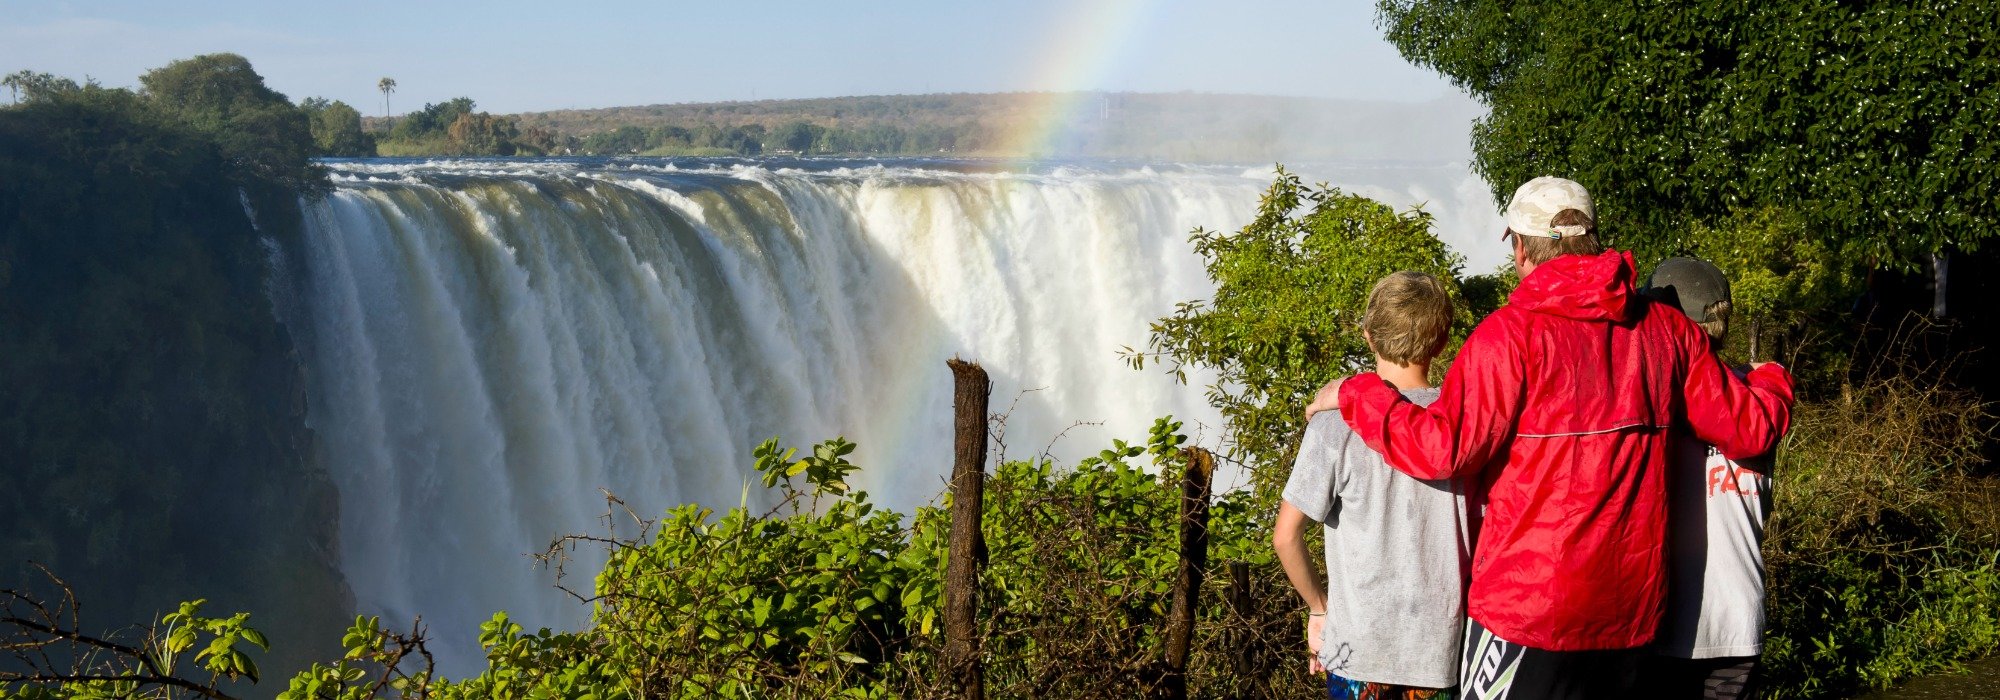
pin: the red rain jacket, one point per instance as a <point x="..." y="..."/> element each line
<point x="1564" y="402"/>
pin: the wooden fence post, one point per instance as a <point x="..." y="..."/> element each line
<point x="971" y="389"/>
<point x="1195" y="486"/>
<point x="1240" y="603"/>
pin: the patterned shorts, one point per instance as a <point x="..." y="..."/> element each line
<point x="1338" y="688"/>
<point x="1497" y="669"/>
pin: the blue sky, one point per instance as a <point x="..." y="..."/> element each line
<point x="524" y="56"/>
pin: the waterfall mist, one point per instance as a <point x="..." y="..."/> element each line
<point x="491" y="343"/>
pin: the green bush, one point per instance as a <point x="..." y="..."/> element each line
<point x="828" y="596"/>
<point x="1291" y="288"/>
<point x="1882" y="547"/>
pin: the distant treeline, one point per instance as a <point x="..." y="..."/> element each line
<point x="1183" y="126"/>
<point x="876" y="125"/>
<point x="455" y="128"/>
<point x="797" y="137"/>
<point x="914" y="125"/>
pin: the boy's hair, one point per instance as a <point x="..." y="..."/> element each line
<point x="1716" y="322"/>
<point x="1408" y="318"/>
<point x="1539" y="250"/>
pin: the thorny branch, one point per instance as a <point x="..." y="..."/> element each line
<point x="30" y="624"/>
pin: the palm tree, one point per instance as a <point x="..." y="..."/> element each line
<point x="386" y="85"/>
<point x="14" y="82"/>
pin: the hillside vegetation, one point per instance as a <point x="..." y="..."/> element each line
<point x="153" y="438"/>
<point x="1181" y="126"/>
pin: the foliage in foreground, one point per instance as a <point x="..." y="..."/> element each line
<point x="52" y="659"/>
<point x="1291" y="288"/>
<point x="829" y="596"/>
<point x="1884" y="546"/>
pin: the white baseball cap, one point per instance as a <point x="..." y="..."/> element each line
<point x="1537" y="202"/>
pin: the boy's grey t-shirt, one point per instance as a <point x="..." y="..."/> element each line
<point x="1398" y="550"/>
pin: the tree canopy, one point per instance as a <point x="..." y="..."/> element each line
<point x="30" y="85"/>
<point x="455" y="127"/>
<point x="257" y="128"/>
<point x="336" y="128"/>
<point x="1871" y="121"/>
<point x="142" y="362"/>
<point x="1291" y="288"/>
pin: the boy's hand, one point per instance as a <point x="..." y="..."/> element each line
<point x="1327" y="399"/>
<point x="1314" y="626"/>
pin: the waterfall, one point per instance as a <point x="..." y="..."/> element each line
<point x="492" y="343"/>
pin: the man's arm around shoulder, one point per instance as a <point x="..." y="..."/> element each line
<point x="1741" y="418"/>
<point x="1472" y="418"/>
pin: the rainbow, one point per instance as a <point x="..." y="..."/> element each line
<point x="1085" y="48"/>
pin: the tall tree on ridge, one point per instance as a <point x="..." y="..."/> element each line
<point x="386" y="85"/>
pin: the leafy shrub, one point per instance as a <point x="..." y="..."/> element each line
<point x="1077" y="582"/>
<point x="1291" y="288"/>
<point x="53" y="658"/>
<point x="827" y="596"/>
<point x="1882" y="547"/>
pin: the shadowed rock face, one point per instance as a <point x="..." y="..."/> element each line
<point x="153" y="437"/>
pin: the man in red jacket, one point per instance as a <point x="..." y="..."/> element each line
<point x="1562" y="403"/>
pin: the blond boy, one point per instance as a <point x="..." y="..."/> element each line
<point x="1389" y="620"/>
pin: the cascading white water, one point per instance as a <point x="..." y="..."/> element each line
<point x="490" y="344"/>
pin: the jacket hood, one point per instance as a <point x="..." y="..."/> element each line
<point x="1582" y="287"/>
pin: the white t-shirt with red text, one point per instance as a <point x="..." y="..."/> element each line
<point x="1717" y="508"/>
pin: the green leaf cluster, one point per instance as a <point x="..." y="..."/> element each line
<point x="221" y="655"/>
<point x="336" y="128"/>
<point x="104" y="669"/>
<point x="1291" y="289"/>
<point x="1869" y="121"/>
<point x="826" y="469"/>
